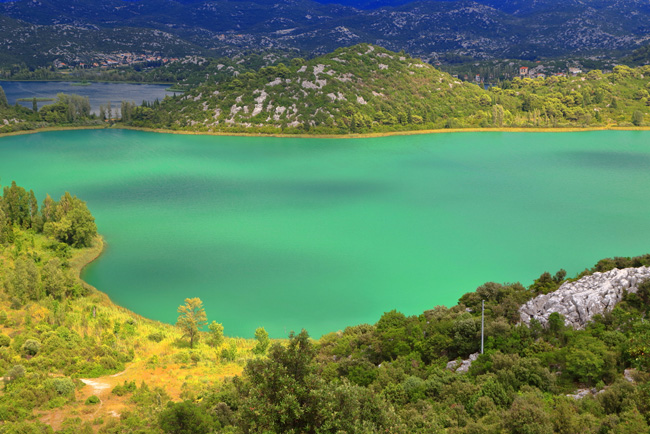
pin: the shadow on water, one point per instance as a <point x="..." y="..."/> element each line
<point x="608" y="160"/>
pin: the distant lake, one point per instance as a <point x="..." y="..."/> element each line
<point x="97" y="93"/>
<point x="325" y="233"/>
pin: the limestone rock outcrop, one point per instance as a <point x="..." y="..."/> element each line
<point x="464" y="365"/>
<point x="579" y="301"/>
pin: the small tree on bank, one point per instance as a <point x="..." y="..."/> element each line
<point x="216" y="334"/>
<point x="263" y="341"/>
<point x="191" y="318"/>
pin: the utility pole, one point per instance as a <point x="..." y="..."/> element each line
<point x="482" y="322"/>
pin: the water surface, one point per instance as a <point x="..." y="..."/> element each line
<point x="321" y="234"/>
<point x="97" y="93"/>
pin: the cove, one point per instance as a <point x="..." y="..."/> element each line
<point x="325" y="233"/>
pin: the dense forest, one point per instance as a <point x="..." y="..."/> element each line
<point x="361" y="89"/>
<point x="392" y="376"/>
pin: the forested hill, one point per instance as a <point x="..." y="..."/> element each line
<point x="352" y="89"/>
<point x="365" y="88"/>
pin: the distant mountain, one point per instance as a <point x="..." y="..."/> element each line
<point x="525" y="29"/>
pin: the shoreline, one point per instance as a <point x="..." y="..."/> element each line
<point x="331" y="136"/>
<point x="82" y="261"/>
<point x="79" y="263"/>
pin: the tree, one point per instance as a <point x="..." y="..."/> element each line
<point x="191" y="318"/>
<point x="527" y="416"/>
<point x="185" y="418"/>
<point x="637" y="118"/>
<point x="73" y="223"/>
<point x="263" y="341"/>
<point x="3" y="98"/>
<point x="216" y="334"/>
<point x="48" y="209"/>
<point x="17" y="205"/>
<point x="53" y="278"/>
<point x="279" y="391"/>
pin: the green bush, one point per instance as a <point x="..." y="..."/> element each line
<point x="156" y="337"/>
<point x="63" y="386"/>
<point x="16" y="372"/>
<point x="127" y="387"/>
<point x="5" y="340"/>
<point x="92" y="400"/>
<point x="31" y="347"/>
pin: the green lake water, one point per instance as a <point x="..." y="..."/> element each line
<point x="321" y="234"/>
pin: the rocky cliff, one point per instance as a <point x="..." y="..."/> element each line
<point x="579" y="301"/>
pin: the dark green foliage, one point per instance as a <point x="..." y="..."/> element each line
<point x="4" y="340"/>
<point x="123" y="389"/>
<point x="72" y="224"/>
<point x="156" y="337"/>
<point x="185" y="418"/>
<point x="62" y="386"/>
<point x="31" y="347"/>
<point x="527" y="416"/>
<point x="92" y="400"/>
<point x="3" y="98"/>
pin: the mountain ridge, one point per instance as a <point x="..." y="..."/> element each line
<point x="481" y="29"/>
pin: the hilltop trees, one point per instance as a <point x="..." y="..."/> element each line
<point x="191" y="318"/>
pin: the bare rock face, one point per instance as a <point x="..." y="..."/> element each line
<point x="464" y="366"/>
<point x="579" y="301"/>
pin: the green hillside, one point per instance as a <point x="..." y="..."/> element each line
<point x="356" y="89"/>
<point x="365" y="88"/>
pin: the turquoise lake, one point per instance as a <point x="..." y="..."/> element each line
<point x="324" y="233"/>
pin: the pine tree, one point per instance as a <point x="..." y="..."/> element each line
<point x="191" y="318"/>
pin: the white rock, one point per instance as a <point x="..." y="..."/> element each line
<point x="579" y="301"/>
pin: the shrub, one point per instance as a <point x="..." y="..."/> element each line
<point x="92" y="400"/>
<point x="121" y="390"/>
<point x="527" y="416"/>
<point x="5" y="340"/>
<point x="16" y="372"/>
<point x="156" y="337"/>
<point x="31" y="347"/>
<point x="63" y="386"/>
<point x="229" y="354"/>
